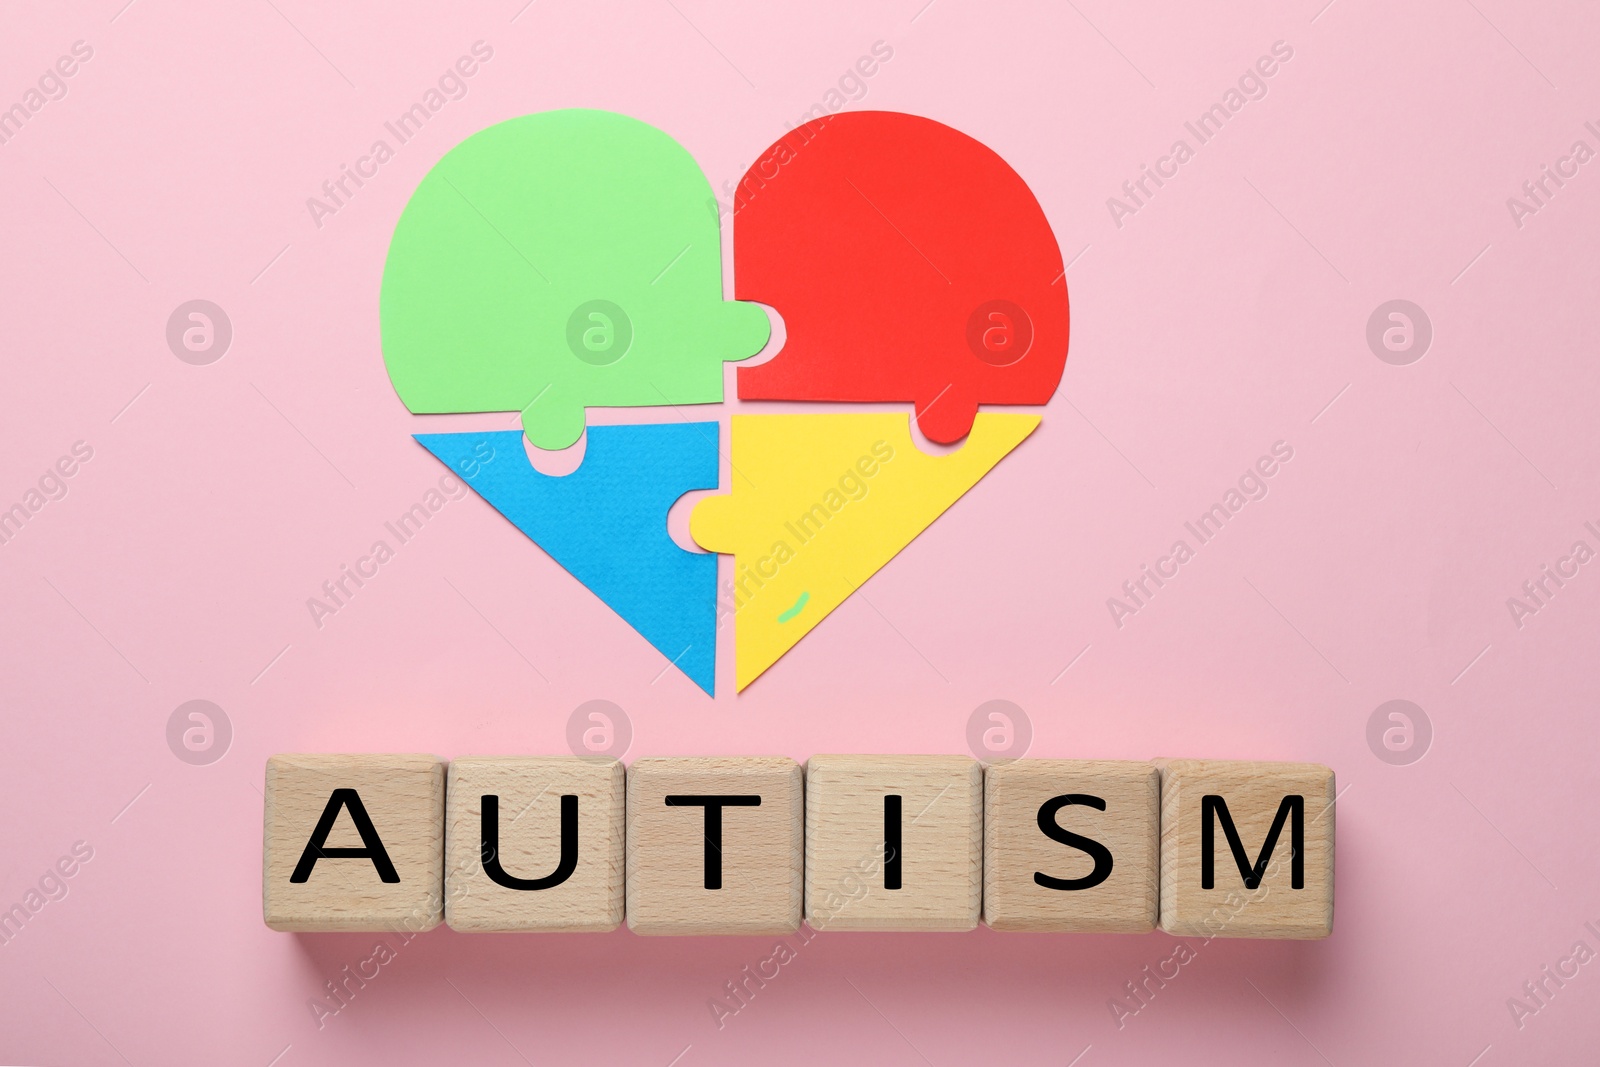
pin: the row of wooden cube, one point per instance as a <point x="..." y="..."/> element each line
<point x="725" y="845"/>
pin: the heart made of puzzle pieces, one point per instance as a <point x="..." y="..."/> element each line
<point x="572" y="259"/>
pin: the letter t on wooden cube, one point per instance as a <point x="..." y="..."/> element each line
<point x="1246" y="849"/>
<point x="715" y="845"/>
<point x="894" y="842"/>
<point x="534" y="843"/>
<point x="1071" y="845"/>
<point x="354" y="843"/>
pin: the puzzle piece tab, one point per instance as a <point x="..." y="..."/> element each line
<point x="909" y="262"/>
<point x="606" y="523"/>
<point x="560" y="261"/>
<point x="819" y="503"/>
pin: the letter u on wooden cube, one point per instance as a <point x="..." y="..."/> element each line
<point x="1071" y="845"/>
<point x="714" y="845"/>
<point x="894" y="842"/>
<point x="534" y="843"/>
<point x="353" y="843"/>
<point x="1246" y="849"/>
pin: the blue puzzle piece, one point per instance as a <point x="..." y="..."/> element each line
<point x="606" y="523"/>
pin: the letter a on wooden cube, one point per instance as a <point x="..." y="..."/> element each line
<point x="1071" y="845"/>
<point x="894" y="842"/>
<point x="534" y="843"/>
<point x="1246" y="849"/>
<point x="354" y="842"/>
<point x="715" y="845"/>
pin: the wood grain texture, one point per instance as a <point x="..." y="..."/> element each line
<point x="403" y="795"/>
<point x="529" y="791"/>
<point x="941" y="854"/>
<point x="1015" y="848"/>
<point x="761" y="854"/>
<point x="1253" y="793"/>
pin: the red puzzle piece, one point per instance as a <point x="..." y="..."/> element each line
<point x="909" y="262"/>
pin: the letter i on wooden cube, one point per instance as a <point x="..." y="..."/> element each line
<point x="894" y="842"/>
<point x="354" y="842"/>
<point x="715" y="845"/>
<point x="1246" y="849"/>
<point x="534" y="843"/>
<point x="1071" y="845"/>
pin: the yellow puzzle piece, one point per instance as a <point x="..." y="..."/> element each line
<point x="819" y="503"/>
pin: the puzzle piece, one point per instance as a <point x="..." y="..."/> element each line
<point x="909" y="262"/>
<point x="559" y="261"/>
<point x="819" y="503"/>
<point x="606" y="523"/>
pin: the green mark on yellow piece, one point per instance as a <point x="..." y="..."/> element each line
<point x="799" y="606"/>
<point x="559" y="261"/>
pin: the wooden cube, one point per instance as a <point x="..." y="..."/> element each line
<point x="354" y="842"/>
<point x="715" y="845"/>
<point x="894" y="842"/>
<point x="1246" y="849"/>
<point x="534" y="843"/>
<point x="1071" y="845"/>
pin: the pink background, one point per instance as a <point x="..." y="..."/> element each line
<point x="1227" y="314"/>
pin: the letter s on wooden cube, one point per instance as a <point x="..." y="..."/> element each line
<point x="1071" y="845"/>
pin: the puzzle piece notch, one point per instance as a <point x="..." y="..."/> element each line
<point x="556" y="262"/>
<point x="909" y="263"/>
<point x="820" y="504"/>
<point x="606" y="523"/>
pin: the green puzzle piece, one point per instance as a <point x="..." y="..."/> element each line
<point x="560" y="261"/>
